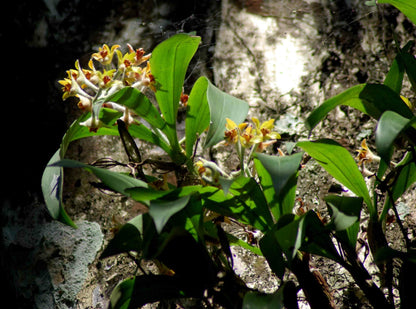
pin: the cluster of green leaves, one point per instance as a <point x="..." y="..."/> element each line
<point x="177" y="230"/>
<point x="395" y="122"/>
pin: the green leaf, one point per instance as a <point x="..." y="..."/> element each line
<point x="128" y="238"/>
<point x="305" y="233"/>
<point x="406" y="176"/>
<point x="410" y="65"/>
<point x="345" y="213"/>
<point x="115" y="181"/>
<point x="318" y="240"/>
<point x="161" y="210"/>
<point x="244" y="203"/>
<point x="52" y="181"/>
<point x="197" y="116"/>
<point x="222" y="106"/>
<point x="109" y="116"/>
<point x="338" y="162"/>
<point x="408" y="7"/>
<point x="140" y="104"/>
<point x="76" y="131"/>
<point x="282" y="172"/>
<point x="291" y="236"/>
<point x="256" y="300"/>
<point x="248" y="192"/>
<point x="234" y="241"/>
<point x="169" y="62"/>
<point x="122" y="293"/>
<point x="273" y="253"/>
<point x="394" y="78"/>
<point x="371" y="99"/>
<point x="140" y="131"/>
<point x="389" y="127"/>
<point x="52" y="178"/>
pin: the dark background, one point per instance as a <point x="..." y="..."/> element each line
<point x="38" y="45"/>
<point x="36" y="117"/>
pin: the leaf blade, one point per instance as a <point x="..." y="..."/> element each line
<point x="371" y="99"/>
<point x="222" y="106"/>
<point x="282" y="172"/>
<point x="388" y="128"/>
<point x="197" y="116"/>
<point x="169" y="62"/>
<point x="338" y="162"/>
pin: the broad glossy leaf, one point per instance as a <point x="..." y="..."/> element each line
<point x="239" y="204"/>
<point x="169" y="63"/>
<point x="408" y="7"/>
<point x="371" y="99"/>
<point x="273" y="253"/>
<point x="197" y="115"/>
<point x="115" y="181"/>
<point x="128" y="238"/>
<point x="247" y="192"/>
<point x="305" y="233"/>
<point x="161" y="210"/>
<point x="122" y="293"/>
<point x="52" y="181"/>
<point x="318" y="240"/>
<point x="406" y="176"/>
<point x="338" y="162"/>
<point x="394" y="78"/>
<point x="389" y="127"/>
<point x="140" y="104"/>
<point x="222" y="106"/>
<point x="256" y="300"/>
<point x="76" y="131"/>
<point x="290" y="237"/>
<point x="345" y="213"/>
<point x="52" y="178"/>
<point x="142" y="132"/>
<point x="282" y="172"/>
<point x="234" y="241"/>
<point x="410" y="65"/>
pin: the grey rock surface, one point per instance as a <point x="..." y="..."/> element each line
<point x="50" y="260"/>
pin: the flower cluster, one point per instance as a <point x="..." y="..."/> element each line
<point x="261" y="135"/>
<point x="95" y="84"/>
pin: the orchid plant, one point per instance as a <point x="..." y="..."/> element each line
<point x="135" y="95"/>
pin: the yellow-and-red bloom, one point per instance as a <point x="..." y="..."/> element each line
<point x="365" y="155"/>
<point x="264" y="130"/>
<point x="247" y="138"/>
<point x="66" y="88"/>
<point x="105" y="54"/>
<point x="233" y="131"/>
<point x="92" y="85"/>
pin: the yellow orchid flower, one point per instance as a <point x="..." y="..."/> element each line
<point x="139" y="55"/>
<point x="247" y="138"/>
<point x="105" y="54"/>
<point x="365" y="155"/>
<point x="264" y="130"/>
<point x="233" y="131"/>
<point x="125" y="61"/>
<point x="105" y="78"/>
<point x="66" y="89"/>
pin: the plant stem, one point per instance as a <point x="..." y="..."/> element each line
<point x="363" y="279"/>
<point x="310" y="285"/>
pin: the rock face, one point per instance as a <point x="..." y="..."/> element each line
<point x="49" y="260"/>
<point x="283" y="57"/>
